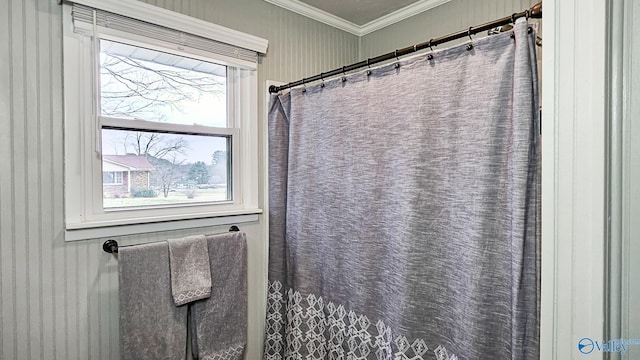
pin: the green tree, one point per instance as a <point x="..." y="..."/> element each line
<point x="199" y="173"/>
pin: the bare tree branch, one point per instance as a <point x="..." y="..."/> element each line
<point x="134" y="88"/>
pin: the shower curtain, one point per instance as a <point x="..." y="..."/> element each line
<point x="403" y="209"/>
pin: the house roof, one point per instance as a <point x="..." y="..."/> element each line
<point x="133" y="162"/>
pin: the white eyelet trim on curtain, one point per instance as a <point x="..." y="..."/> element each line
<point x="332" y="332"/>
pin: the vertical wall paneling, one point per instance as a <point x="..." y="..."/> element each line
<point x="573" y="181"/>
<point x="32" y="191"/>
<point x="44" y="223"/>
<point x="17" y="88"/>
<point x="6" y="220"/>
<point x="58" y="252"/>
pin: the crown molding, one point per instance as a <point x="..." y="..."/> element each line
<point x="399" y="15"/>
<point x="359" y="30"/>
<point x="318" y="15"/>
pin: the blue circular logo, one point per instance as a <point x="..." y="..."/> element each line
<point x="585" y="346"/>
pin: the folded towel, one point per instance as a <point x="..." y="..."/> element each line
<point x="151" y="326"/>
<point x="219" y="323"/>
<point x="190" y="273"/>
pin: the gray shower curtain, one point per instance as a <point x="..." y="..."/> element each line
<point x="403" y="210"/>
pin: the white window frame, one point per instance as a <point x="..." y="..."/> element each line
<point x="85" y="217"/>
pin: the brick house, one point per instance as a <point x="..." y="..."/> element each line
<point x="122" y="173"/>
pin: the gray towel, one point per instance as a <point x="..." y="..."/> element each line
<point x="151" y="326"/>
<point x="219" y="323"/>
<point x="190" y="274"/>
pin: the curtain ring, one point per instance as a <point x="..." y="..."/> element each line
<point x="344" y="76"/>
<point x="469" y="45"/>
<point x="304" y="84"/>
<point x="322" y="79"/>
<point x="397" y="65"/>
<point x="513" y="18"/>
<point x="369" y="67"/>
<point x="430" y="56"/>
<point x="527" y="14"/>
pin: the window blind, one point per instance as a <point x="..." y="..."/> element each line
<point x="83" y="17"/>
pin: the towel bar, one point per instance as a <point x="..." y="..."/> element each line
<point x="111" y="246"/>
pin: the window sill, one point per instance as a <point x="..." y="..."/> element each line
<point x="101" y="229"/>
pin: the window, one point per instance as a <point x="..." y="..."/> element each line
<point x="164" y="121"/>
<point x="111" y="178"/>
<point x="160" y="121"/>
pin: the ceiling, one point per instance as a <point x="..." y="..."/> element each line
<point x="359" y="12"/>
<point x="358" y="17"/>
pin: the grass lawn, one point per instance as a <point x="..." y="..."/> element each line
<point x="175" y="197"/>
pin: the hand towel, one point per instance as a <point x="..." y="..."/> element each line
<point x="219" y="323"/>
<point x="151" y="326"/>
<point x="190" y="273"/>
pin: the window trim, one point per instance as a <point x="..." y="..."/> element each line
<point x="173" y="20"/>
<point x="84" y="215"/>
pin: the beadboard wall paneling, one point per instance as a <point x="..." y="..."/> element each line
<point x="59" y="300"/>
<point x="31" y="271"/>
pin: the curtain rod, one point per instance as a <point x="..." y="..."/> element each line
<point x="534" y="12"/>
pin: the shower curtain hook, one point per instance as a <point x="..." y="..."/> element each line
<point x="322" y="79"/>
<point x="369" y="67"/>
<point x="304" y="84"/>
<point x="397" y="60"/>
<point x="344" y="76"/>
<point x="469" y="45"/>
<point x="430" y="56"/>
<point x="513" y="18"/>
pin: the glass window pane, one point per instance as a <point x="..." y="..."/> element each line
<point x="139" y="83"/>
<point x="141" y="168"/>
<point x="112" y="177"/>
